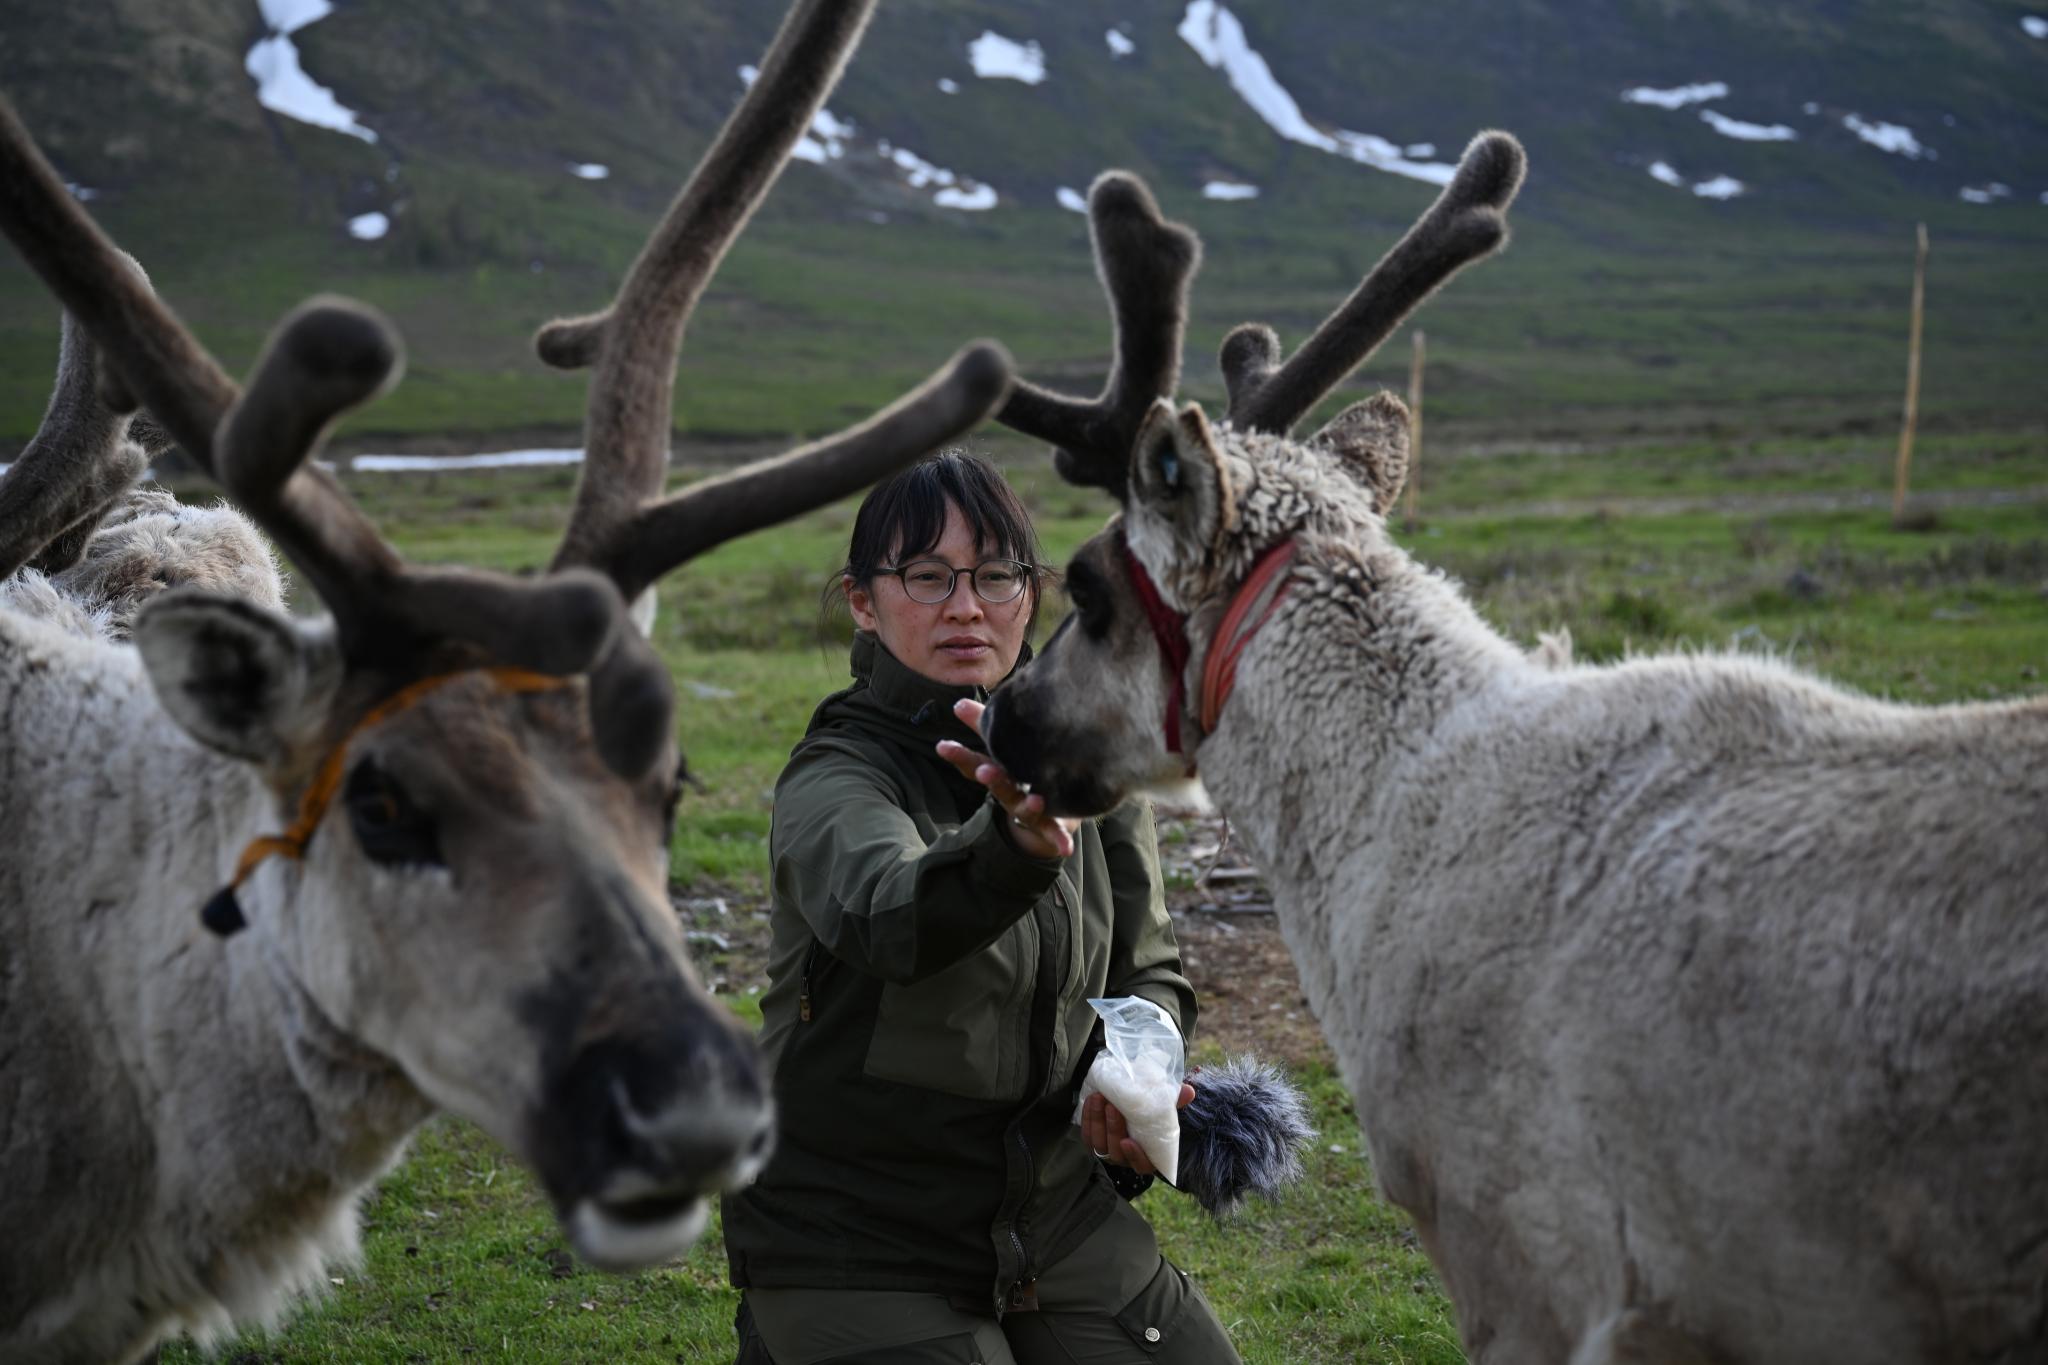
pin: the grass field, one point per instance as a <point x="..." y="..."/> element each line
<point x="1783" y="546"/>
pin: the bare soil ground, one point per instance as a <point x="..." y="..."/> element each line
<point x="1229" y="937"/>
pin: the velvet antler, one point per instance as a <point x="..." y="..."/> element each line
<point x="326" y="358"/>
<point x="619" y="523"/>
<point x="1145" y="264"/>
<point x="79" y="462"/>
<point x="1467" y="223"/>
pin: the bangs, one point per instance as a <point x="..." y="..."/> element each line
<point x="905" y="517"/>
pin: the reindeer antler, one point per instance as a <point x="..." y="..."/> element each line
<point x="328" y="356"/>
<point x="1467" y="223"/>
<point x="324" y="359"/>
<point x="75" y="466"/>
<point x="1145" y="264"/>
<point x="619" y="524"/>
<point x="331" y="355"/>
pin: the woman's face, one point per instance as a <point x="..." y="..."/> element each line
<point x="960" y="641"/>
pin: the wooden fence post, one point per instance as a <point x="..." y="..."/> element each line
<point x="1912" y="417"/>
<point x="1415" y="428"/>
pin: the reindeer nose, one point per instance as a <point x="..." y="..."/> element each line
<point x="1011" y="737"/>
<point x="681" y="1108"/>
<point x="679" y="1111"/>
<point x="645" y="1129"/>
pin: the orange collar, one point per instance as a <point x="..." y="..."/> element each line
<point x="222" y="914"/>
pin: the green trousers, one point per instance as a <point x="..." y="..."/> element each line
<point x="1114" y="1301"/>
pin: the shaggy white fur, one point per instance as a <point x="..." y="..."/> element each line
<point x="1694" y="1007"/>
<point x="129" y="1136"/>
<point x="1691" y="997"/>
<point x="148" y="545"/>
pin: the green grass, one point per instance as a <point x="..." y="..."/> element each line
<point x="463" y="1262"/>
<point x="1758" y="325"/>
<point x="1544" y="541"/>
<point x="1695" y="543"/>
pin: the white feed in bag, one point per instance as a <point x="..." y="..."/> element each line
<point x="1139" y="1070"/>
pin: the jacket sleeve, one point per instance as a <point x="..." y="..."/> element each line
<point x="1144" y="955"/>
<point x="847" y="855"/>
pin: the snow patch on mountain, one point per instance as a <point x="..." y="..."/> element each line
<point x="368" y="227"/>
<point x="1888" y="137"/>
<point x="1747" y="132"/>
<point x="433" y="464"/>
<point x="282" y="85"/>
<point x="1119" y="44"/>
<point x="1229" y="189"/>
<point x="289" y="16"/>
<point x="977" y="200"/>
<point x="2035" y="25"/>
<point x="589" y="170"/>
<point x="953" y="191"/>
<point x="1720" y="187"/>
<point x="1219" y="40"/>
<point x="832" y="138"/>
<point x="1986" y="194"/>
<point x="1071" y="199"/>
<point x="1677" y="97"/>
<point x="996" y="58"/>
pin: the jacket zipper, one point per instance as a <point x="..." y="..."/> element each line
<point x="803" y="996"/>
<point x="1023" y="1257"/>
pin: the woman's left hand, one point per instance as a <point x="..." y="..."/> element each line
<point x="1033" y="831"/>
<point x="1102" y="1128"/>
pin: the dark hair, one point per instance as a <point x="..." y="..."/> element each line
<point x="905" y="515"/>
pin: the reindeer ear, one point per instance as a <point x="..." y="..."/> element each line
<point x="245" y="681"/>
<point x="1178" y="478"/>
<point x="1370" y="441"/>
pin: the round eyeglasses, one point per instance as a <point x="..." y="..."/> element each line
<point x="933" y="580"/>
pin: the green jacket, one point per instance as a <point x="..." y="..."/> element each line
<point x="928" y="1019"/>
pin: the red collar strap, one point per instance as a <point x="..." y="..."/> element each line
<point x="1170" y="629"/>
<point x="1250" y="606"/>
<point x="1256" y="597"/>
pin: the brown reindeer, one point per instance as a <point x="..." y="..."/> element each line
<point x="433" y="825"/>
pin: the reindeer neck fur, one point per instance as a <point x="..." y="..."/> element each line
<point x="1371" y="666"/>
<point x="197" y="1060"/>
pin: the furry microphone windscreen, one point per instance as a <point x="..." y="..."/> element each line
<point x="1244" y="1133"/>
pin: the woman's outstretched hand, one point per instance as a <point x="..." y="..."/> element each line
<point x="1035" y="833"/>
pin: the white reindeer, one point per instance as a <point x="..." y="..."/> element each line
<point x="80" y="546"/>
<point x="474" y="776"/>
<point x="1696" y="1009"/>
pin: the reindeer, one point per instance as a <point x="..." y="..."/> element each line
<point x="1695" y="1008"/>
<point x="475" y="776"/>
<point x="80" y="546"/>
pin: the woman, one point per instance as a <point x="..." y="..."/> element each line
<point x="937" y="937"/>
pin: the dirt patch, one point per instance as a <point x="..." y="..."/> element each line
<point x="1230" y="944"/>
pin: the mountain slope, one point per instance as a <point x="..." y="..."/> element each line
<point x="1631" y="298"/>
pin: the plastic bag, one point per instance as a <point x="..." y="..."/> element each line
<point x="1139" y="1071"/>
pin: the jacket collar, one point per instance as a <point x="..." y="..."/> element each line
<point x="909" y="696"/>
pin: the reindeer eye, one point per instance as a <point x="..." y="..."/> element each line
<point x="390" y="828"/>
<point x="1090" y="604"/>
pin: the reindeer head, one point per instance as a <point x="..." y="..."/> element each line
<point x="475" y="775"/>
<point x="1121" y="695"/>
